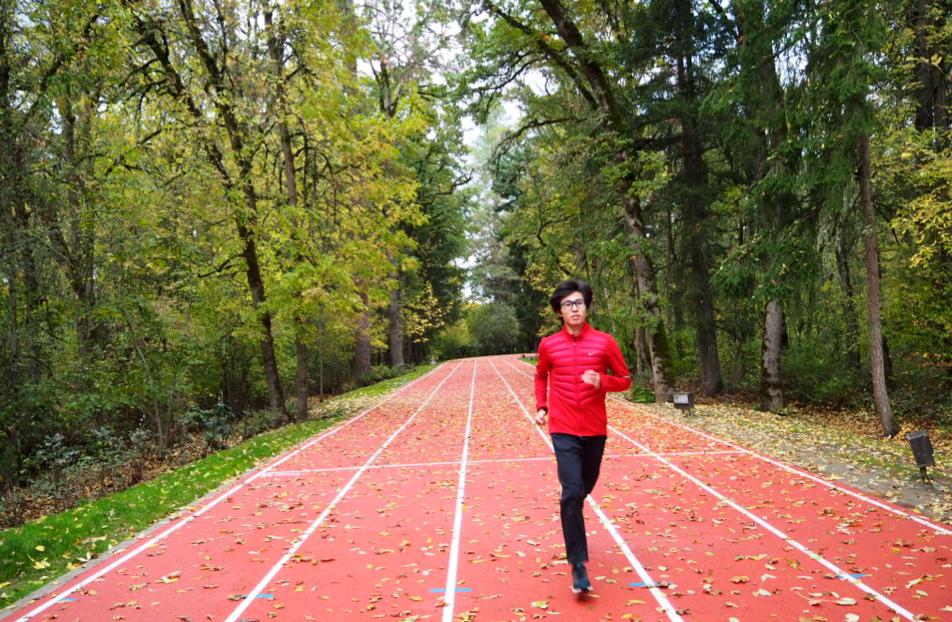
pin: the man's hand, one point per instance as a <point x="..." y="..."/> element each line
<point x="540" y="416"/>
<point x="591" y="377"/>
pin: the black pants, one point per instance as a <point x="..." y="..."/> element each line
<point x="579" y="459"/>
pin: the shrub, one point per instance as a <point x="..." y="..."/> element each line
<point x="641" y="394"/>
<point x="216" y="425"/>
<point x="257" y="421"/>
<point x="494" y="328"/>
<point x="453" y="342"/>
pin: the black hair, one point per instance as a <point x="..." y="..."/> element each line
<point x="567" y="288"/>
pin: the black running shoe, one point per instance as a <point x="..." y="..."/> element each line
<point x="580" y="582"/>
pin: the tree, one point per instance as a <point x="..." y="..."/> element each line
<point x="524" y="38"/>
<point x="493" y="327"/>
<point x="228" y="96"/>
<point x="842" y="55"/>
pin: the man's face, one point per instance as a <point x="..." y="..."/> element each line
<point x="573" y="309"/>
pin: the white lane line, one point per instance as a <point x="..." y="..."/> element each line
<point x="769" y="527"/>
<point x="231" y="491"/>
<point x="300" y="540"/>
<point x="945" y="531"/>
<point x="414" y="465"/>
<point x="659" y="596"/>
<point x="676" y="454"/>
<point x="819" y="480"/>
<point x="449" y="593"/>
<point x="777" y="532"/>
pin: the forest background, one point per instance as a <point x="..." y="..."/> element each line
<point x="215" y="211"/>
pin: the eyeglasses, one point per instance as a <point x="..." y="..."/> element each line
<point x="573" y="304"/>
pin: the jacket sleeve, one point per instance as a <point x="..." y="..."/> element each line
<point x="542" y="378"/>
<point x="620" y="379"/>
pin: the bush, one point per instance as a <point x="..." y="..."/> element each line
<point x="641" y="394"/>
<point x="494" y="328"/>
<point x="258" y="421"/>
<point x="54" y="461"/>
<point x="379" y="373"/>
<point x="453" y="342"/>
<point x="813" y="371"/>
<point x="216" y="425"/>
<point x="139" y="447"/>
<point x="107" y="452"/>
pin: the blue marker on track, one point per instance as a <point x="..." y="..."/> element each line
<point x="440" y="590"/>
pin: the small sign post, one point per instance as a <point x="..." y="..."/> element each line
<point x="683" y="401"/>
<point x="922" y="452"/>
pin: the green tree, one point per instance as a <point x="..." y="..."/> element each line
<point x="494" y="328"/>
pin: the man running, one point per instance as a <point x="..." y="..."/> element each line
<point x="576" y="360"/>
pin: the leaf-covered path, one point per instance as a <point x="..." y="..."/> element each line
<point x="441" y="503"/>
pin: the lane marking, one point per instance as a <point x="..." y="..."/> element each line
<point x="819" y="480"/>
<point x="231" y="491"/>
<point x="413" y="465"/>
<point x="442" y="590"/>
<point x="770" y="528"/>
<point x="659" y="596"/>
<point x="766" y="525"/>
<point x="452" y="571"/>
<point x="300" y="540"/>
<point x="945" y="531"/>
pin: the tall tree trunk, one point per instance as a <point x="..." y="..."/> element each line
<point x="701" y="297"/>
<point x="644" y="272"/>
<point x="777" y="205"/>
<point x="694" y="177"/>
<point x="873" y="296"/>
<point x="673" y="292"/>
<point x="850" y="314"/>
<point x="388" y="102"/>
<point x="301" y="377"/>
<point x="770" y="357"/>
<point x="643" y="359"/>
<point x="395" y="316"/>
<point x="253" y="275"/>
<point x="78" y="248"/>
<point x="594" y="86"/>
<point x="276" y="52"/>
<point x="245" y="224"/>
<point x="16" y="222"/>
<point x="362" y="361"/>
<point x="932" y="64"/>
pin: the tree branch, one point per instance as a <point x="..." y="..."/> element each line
<point x="547" y="50"/>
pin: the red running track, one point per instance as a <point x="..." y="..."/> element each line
<point x="441" y="503"/>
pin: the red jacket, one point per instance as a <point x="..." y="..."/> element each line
<point x="576" y="407"/>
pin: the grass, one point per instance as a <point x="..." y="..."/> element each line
<point x="34" y="554"/>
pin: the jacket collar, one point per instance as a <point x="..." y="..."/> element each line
<point x="586" y="329"/>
